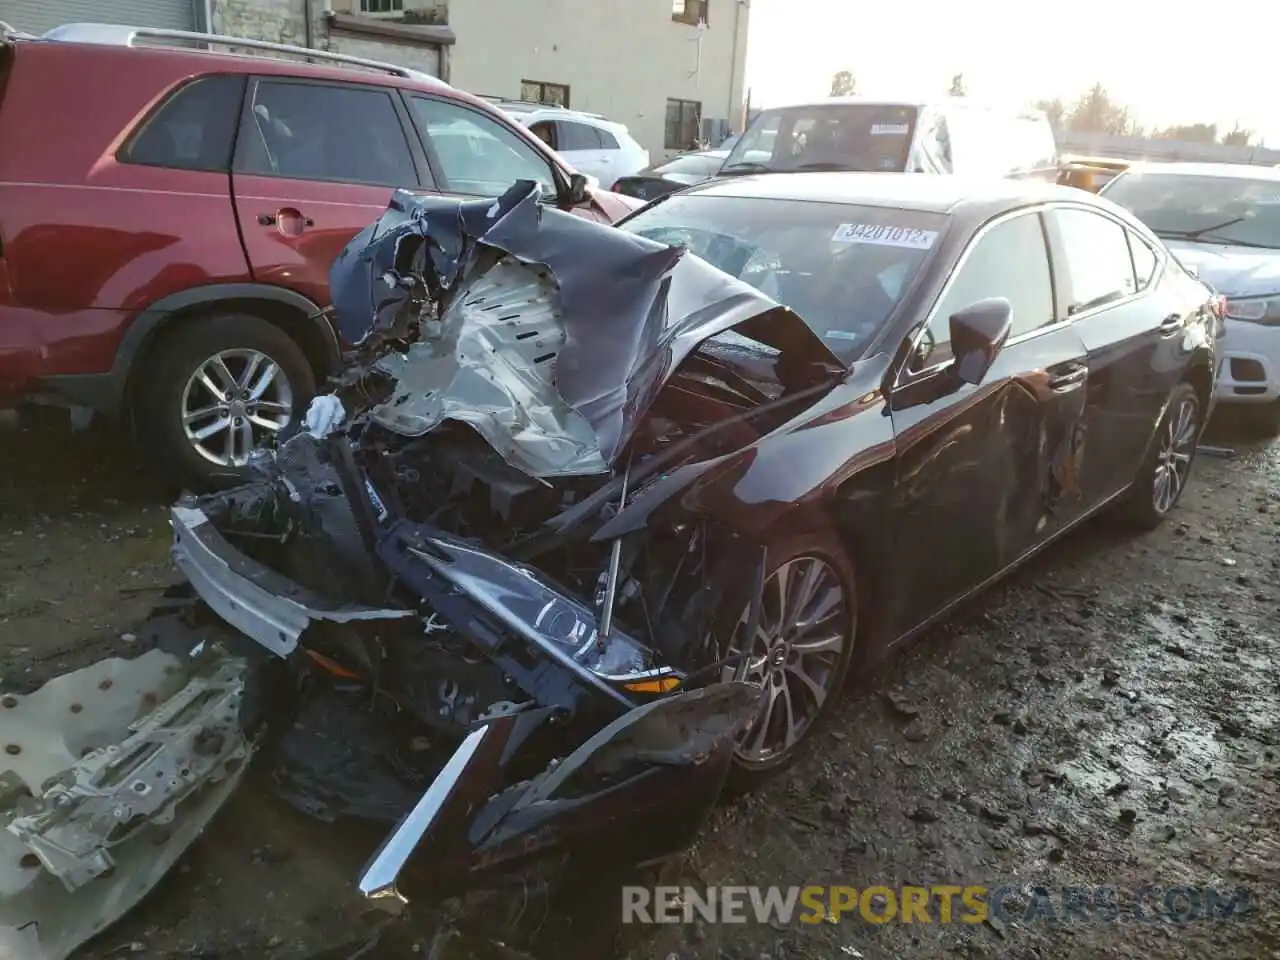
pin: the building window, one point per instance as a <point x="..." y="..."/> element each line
<point x="689" y="11"/>
<point x="381" y="6"/>
<point x="537" y="91"/>
<point x="684" y="118"/>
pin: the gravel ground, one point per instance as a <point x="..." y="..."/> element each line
<point x="1110" y="717"/>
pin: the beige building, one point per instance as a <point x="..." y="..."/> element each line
<point x="669" y="69"/>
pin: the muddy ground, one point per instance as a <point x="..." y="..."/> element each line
<point x="1109" y="717"/>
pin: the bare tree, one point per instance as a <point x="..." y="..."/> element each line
<point x="844" y="84"/>
<point x="957" y="86"/>
<point x="1237" y="136"/>
<point x="1190" y="133"/>
<point x="1054" y="109"/>
<point x="1096" y="112"/>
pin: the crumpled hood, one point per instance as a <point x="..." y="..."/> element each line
<point x="631" y="309"/>
<point x="1231" y="271"/>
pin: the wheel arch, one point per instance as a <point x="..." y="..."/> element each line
<point x="298" y="316"/>
<point x="1200" y="376"/>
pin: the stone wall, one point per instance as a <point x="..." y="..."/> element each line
<point x="284" y="21"/>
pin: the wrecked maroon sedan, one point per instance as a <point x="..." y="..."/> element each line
<point x="575" y="481"/>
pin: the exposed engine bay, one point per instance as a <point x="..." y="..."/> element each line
<point x="515" y="386"/>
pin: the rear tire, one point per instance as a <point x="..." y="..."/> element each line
<point x="263" y="382"/>
<point x="1166" y="469"/>
<point x="800" y="655"/>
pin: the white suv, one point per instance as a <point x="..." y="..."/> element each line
<point x="590" y="143"/>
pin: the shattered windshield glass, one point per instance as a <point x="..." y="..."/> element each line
<point x="873" y="137"/>
<point x="1224" y="210"/>
<point x="842" y="268"/>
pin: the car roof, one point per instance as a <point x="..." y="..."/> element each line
<point x="927" y="193"/>
<point x="529" y="114"/>
<point x="1243" y="171"/>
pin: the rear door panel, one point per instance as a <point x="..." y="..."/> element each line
<point x="1131" y="370"/>
<point x="316" y="163"/>
<point x="100" y="220"/>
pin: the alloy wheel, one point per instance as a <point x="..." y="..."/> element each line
<point x="233" y="401"/>
<point x="793" y="655"/>
<point x="1173" y="461"/>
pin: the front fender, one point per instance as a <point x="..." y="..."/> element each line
<point x="793" y="471"/>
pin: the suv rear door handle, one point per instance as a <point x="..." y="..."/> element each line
<point x="287" y="220"/>
<point x="1067" y="377"/>
<point x="1171" y="324"/>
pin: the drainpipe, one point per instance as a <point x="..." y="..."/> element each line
<point x="308" y="15"/>
<point x="735" y="108"/>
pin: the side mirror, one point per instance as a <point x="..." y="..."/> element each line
<point x="978" y="334"/>
<point x="579" y="190"/>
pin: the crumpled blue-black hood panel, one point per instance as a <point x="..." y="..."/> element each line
<point x="632" y="308"/>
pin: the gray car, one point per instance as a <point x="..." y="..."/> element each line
<point x="1223" y="221"/>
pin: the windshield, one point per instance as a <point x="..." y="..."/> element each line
<point x="845" y="136"/>
<point x="1225" y="210"/>
<point x="842" y="268"/>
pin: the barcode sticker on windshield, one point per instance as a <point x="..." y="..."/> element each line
<point x="885" y="235"/>
<point x="888" y="129"/>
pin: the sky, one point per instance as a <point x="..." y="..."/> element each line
<point x="1169" y="63"/>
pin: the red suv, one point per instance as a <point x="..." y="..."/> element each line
<point x="168" y="216"/>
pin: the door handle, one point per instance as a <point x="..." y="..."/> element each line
<point x="1171" y="324"/>
<point x="287" y="220"/>
<point x="1068" y="377"/>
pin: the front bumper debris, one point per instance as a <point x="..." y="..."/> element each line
<point x="460" y="827"/>
<point x="251" y="597"/>
<point x="113" y="771"/>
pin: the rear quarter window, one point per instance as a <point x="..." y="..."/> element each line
<point x="193" y="129"/>
<point x="1144" y="260"/>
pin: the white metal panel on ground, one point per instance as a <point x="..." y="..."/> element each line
<point x="37" y="16"/>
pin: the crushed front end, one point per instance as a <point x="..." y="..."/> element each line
<point x="476" y="663"/>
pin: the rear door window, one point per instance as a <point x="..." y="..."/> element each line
<point x="333" y="131"/>
<point x="1096" y="252"/>
<point x="577" y="136"/>
<point x="1144" y="260"/>
<point x="194" y="129"/>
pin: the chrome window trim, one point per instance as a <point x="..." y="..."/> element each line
<point x="904" y="376"/>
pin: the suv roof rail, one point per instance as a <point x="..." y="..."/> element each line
<point x="126" y="36"/>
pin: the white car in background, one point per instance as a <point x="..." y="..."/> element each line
<point x="1223" y="220"/>
<point x="589" y="143"/>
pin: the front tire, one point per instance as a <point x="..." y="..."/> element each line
<point x="222" y="384"/>
<point x="799" y="655"/>
<point x="1163" y="476"/>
